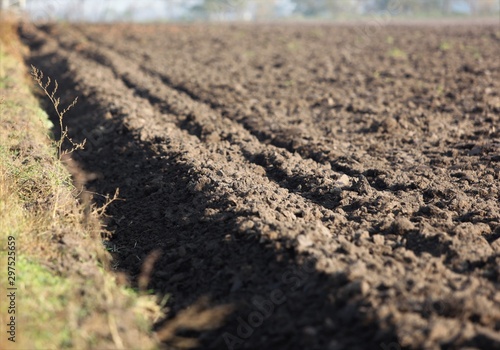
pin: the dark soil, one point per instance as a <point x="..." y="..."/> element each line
<point x="338" y="185"/>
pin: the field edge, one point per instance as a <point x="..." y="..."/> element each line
<point x="64" y="293"/>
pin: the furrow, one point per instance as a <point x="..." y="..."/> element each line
<point x="404" y="253"/>
<point x="313" y="181"/>
<point x="340" y="162"/>
<point x="220" y="163"/>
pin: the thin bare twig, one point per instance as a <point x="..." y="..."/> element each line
<point x="56" y="101"/>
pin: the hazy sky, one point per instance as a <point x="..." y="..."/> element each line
<point x="94" y="10"/>
<point x="109" y="9"/>
<point x="146" y="10"/>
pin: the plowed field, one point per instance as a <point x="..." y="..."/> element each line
<point x="338" y="187"/>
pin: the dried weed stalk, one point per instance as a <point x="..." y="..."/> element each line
<point x="56" y="101"/>
<point x="101" y="211"/>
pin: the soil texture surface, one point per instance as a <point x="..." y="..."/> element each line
<point x="338" y="186"/>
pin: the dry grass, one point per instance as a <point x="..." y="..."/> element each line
<point x="50" y="92"/>
<point x="66" y="296"/>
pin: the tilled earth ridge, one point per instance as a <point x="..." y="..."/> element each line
<point x="348" y="182"/>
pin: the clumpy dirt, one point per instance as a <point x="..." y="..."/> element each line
<point x="337" y="185"/>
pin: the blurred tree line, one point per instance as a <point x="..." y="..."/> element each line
<point x="133" y="10"/>
<point x="338" y="8"/>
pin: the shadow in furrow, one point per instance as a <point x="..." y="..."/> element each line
<point x="282" y="301"/>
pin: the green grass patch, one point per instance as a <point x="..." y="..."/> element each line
<point x="445" y="46"/>
<point x="397" y="54"/>
<point x="66" y="295"/>
<point x="36" y="317"/>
